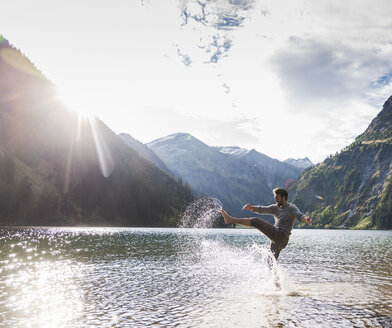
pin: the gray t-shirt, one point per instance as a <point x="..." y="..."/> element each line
<point x="284" y="216"/>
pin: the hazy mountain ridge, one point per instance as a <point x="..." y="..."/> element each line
<point x="302" y="163"/>
<point x="232" y="150"/>
<point x="356" y="184"/>
<point x="144" y="151"/>
<point x="276" y="173"/>
<point x="232" y="174"/>
<point x="58" y="169"/>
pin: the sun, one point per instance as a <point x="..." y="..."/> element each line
<point x="77" y="100"/>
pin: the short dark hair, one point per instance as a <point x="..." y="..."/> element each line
<point x="282" y="192"/>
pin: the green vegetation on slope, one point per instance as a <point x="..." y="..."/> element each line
<point x="355" y="186"/>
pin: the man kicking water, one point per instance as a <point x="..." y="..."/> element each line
<point x="284" y="214"/>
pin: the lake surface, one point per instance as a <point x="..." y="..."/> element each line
<point x="109" y="277"/>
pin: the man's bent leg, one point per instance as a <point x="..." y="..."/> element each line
<point x="268" y="229"/>
<point x="275" y="250"/>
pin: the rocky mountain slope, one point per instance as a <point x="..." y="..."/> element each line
<point x="354" y="187"/>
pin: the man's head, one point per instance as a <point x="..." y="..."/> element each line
<point x="280" y="196"/>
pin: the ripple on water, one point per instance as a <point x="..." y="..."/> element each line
<point x="54" y="277"/>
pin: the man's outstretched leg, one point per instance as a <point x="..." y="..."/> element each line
<point x="229" y="219"/>
<point x="268" y="229"/>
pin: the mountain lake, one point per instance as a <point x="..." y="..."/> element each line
<point x="162" y="277"/>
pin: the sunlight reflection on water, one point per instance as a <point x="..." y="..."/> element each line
<point x="111" y="277"/>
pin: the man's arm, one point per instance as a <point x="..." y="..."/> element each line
<point x="308" y="220"/>
<point x="260" y="209"/>
<point x="301" y="217"/>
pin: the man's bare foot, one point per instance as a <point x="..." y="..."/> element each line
<point x="228" y="218"/>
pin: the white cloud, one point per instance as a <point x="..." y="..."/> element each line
<point x="311" y="71"/>
<point x="231" y="72"/>
<point x="209" y="130"/>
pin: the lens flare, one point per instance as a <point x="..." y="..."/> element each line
<point x="9" y="97"/>
<point x="74" y="97"/>
<point x="104" y="156"/>
<point x="289" y="184"/>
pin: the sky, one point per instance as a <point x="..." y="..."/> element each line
<point x="291" y="79"/>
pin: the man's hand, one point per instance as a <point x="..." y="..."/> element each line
<point x="308" y="220"/>
<point x="248" y="207"/>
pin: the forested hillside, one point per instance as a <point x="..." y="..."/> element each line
<point x="354" y="187"/>
<point x="57" y="168"/>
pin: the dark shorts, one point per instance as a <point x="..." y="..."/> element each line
<point x="279" y="238"/>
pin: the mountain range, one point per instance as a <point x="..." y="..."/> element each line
<point x="234" y="175"/>
<point x="57" y="168"/>
<point x="352" y="189"/>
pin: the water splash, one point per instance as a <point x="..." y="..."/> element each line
<point x="217" y="204"/>
<point x="218" y="257"/>
<point x="232" y="265"/>
<point x="229" y="272"/>
<point x="202" y="213"/>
